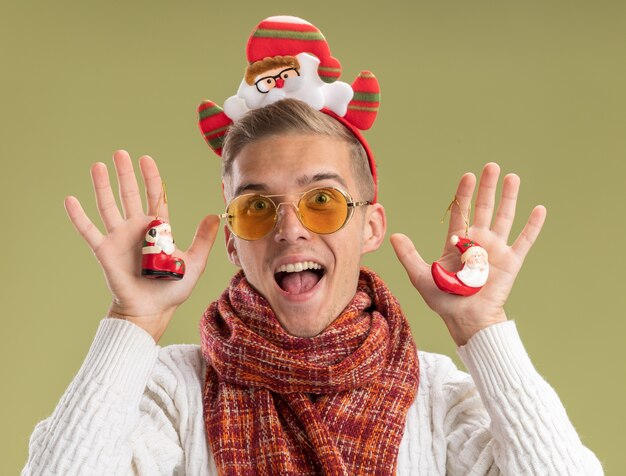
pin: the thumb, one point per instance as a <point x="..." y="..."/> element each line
<point x="415" y="266"/>
<point x="203" y="241"/>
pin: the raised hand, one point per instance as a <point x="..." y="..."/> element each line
<point x="464" y="316"/>
<point x="148" y="303"/>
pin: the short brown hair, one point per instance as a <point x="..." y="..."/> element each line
<point x="290" y="116"/>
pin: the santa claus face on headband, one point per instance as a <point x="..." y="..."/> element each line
<point x="273" y="79"/>
<point x="287" y="80"/>
<point x="293" y="77"/>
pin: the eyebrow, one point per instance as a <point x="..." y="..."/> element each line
<point x="301" y="181"/>
<point x="249" y="187"/>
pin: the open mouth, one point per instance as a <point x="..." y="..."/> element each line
<point x="299" y="278"/>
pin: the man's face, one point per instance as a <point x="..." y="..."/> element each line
<point x="289" y="164"/>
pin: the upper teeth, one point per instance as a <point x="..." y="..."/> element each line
<point x="297" y="267"/>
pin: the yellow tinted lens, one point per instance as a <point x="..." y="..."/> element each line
<point x="323" y="210"/>
<point x="251" y="216"/>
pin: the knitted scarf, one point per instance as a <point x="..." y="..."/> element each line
<point x="333" y="404"/>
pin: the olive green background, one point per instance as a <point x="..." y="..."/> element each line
<point x="537" y="86"/>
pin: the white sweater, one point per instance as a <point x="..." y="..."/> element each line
<point x="136" y="408"/>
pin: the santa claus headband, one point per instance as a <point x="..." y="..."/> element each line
<point x="289" y="58"/>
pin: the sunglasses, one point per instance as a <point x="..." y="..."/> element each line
<point x="322" y="210"/>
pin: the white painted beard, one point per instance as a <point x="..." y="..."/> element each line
<point x="474" y="276"/>
<point x="166" y="244"/>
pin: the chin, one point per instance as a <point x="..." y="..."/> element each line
<point x="304" y="319"/>
<point x="300" y="329"/>
<point x="301" y="319"/>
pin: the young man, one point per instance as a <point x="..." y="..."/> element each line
<point x="306" y="365"/>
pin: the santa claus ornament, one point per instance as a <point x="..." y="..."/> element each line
<point x="157" y="261"/>
<point x="474" y="271"/>
<point x="289" y="58"/>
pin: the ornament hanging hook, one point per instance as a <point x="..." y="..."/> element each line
<point x="162" y="198"/>
<point x="465" y="218"/>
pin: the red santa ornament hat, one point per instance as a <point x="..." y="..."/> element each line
<point x="159" y="225"/>
<point x="465" y="244"/>
<point x="290" y="36"/>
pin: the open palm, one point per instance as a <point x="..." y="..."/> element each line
<point x="465" y="316"/>
<point x="146" y="302"/>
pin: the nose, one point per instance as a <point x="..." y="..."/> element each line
<point x="280" y="82"/>
<point x="289" y="228"/>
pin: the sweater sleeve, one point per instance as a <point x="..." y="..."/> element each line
<point x="91" y="429"/>
<point x="525" y="430"/>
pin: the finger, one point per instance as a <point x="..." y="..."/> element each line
<point x="129" y="190"/>
<point x="413" y="263"/>
<point x="486" y="196"/>
<point x="459" y="212"/>
<point x="154" y="188"/>
<point x="105" y="200"/>
<point x="531" y="230"/>
<point x="203" y="241"/>
<point x="82" y="223"/>
<point x="506" y="209"/>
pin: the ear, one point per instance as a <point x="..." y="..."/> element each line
<point x="375" y="228"/>
<point x="231" y="249"/>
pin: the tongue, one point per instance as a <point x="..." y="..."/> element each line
<point x="298" y="283"/>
